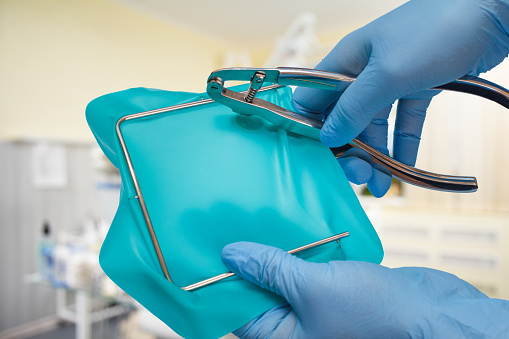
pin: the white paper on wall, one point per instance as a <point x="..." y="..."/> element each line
<point x="49" y="166"/>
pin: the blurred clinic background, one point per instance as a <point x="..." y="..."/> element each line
<point x="59" y="193"/>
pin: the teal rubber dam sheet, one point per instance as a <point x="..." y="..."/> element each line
<point x="210" y="177"/>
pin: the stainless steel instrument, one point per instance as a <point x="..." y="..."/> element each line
<point x="248" y="104"/>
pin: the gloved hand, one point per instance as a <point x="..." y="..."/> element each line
<point x="422" y="44"/>
<point x="347" y="299"/>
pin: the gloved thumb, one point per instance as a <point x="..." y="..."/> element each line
<point x="372" y="91"/>
<point x="267" y="267"/>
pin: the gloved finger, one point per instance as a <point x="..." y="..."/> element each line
<point x="380" y="181"/>
<point x="267" y="267"/>
<point x="305" y="102"/>
<point x="356" y="164"/>
<point x="348" y="57"/>
<point x="373" y="90"/>
<point x="407" y="132"/>
<point x="375" y="134"/>
<point x="276" y="323"/>
<point x="361" y="170"/>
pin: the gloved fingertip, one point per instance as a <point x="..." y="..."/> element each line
<point x="254" y="262"/>
<point x="380" y="181"/>
<point x="357" y="170"/>
<point x="338" y="129"/>
<point x="331" y="136"/>
<point x="265" y="266"/>
<point x="305" y="110"/>
<point x="236" y="254"/>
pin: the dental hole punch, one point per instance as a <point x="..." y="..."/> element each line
<point x="249" y="105"/>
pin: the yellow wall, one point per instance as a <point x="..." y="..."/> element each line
<point x="57" y="55"/>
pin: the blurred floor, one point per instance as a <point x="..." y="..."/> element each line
<point x="109" y="329"/>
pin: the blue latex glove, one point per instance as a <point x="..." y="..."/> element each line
<point x="348" y="299"/>
<point x="422" y="44"/>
